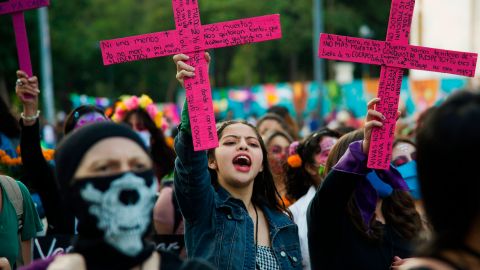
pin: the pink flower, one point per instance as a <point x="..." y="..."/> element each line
<point x="152" y="110"/>
<point x="292" y="149"/>
<point x="131" y="103"/>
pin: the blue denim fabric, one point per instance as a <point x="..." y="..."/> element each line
<point x="217" y="226"/>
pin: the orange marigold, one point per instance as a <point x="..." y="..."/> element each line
<point x="295" y="161"/>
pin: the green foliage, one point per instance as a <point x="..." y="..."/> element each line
<point x="78" y="26"/>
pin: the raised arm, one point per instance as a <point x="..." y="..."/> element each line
<point x="328" y="209"/>
<point x="36" y="168"/>
<point x="193" y="189"/>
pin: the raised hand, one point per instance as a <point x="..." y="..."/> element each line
<point x="185" y="70"/>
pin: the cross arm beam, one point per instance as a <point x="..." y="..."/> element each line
<point x="217" y="35"/>
<point x="374" y="52"/>
<point x="19" y="6"/>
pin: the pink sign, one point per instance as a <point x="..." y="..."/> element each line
<point x="16" y="8"/>
<point x="375" y="52"/>
<point x="394" y="55"/>
<point x="193" y="38"/>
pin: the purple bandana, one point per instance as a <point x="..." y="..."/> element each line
<point x="355" y="161"/>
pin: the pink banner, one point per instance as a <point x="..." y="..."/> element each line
<point x="215" y="35"/>
<point x="21" y="5"/>
<point x="191" y="38"/>
<point x="376" y="52"/>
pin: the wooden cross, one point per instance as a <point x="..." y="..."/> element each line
<point x="16" y="8"/>
<point x="193" y="38"/>
<point x="394" y="55"/>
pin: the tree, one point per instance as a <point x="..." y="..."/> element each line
<point x="78" y="26"/>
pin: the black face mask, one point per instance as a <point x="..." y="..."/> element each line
<point x="114" y="214"/>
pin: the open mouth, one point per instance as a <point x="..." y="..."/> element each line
<point x="242" y="163"/>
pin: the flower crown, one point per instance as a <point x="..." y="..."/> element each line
<point x="130" y="103"/>
<point x="294" y="160"/>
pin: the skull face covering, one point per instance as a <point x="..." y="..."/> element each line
<point x="114" y="212"/>
<point x="116" y="208"/>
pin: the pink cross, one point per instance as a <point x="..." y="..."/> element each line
<point x="16" y="8"/>
<point x="394" y="55"/>
<point x="193" y="38"/>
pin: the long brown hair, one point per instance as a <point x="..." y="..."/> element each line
<point x="398" y="209"/>
<point x="264" y="191"/>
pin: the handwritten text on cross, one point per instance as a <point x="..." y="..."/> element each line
<point x="393" y="55"/>
<point x="193" y="38"/>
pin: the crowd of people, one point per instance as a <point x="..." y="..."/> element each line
<point x="267" y="197"/>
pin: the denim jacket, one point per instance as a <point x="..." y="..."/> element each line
<point x="217" y="226"/>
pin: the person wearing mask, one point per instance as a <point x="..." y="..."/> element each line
<point x="106" y="176"/>
<point x="37" y="169"/>
<point x="356" y="221"/>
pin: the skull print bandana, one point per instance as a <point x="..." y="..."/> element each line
<point x="114" y="211"/>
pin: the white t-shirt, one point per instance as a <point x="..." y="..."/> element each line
<point x="299" y="212"/>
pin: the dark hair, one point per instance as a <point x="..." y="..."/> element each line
<point x="446" y="173"/>
<point x="9" y="124"/>
<point x="285" y="115"/>
<point x="264" y="191"/>
<point x="298" y="179"/>
<point x="342" y="130"/>
<point x="163" y="155"/>
<point x="398" y="209"/>
<point x="76" y="114"/>
<point x="341" y="147"/>
<point x="274" y="117"/>
<point x="278" y="133"/>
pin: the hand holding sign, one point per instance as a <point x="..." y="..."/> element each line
<point x="27" y="89"/>
<point x="373" y="119"/>
<point x="185" y="70"/>
<point x="27" y="92"/>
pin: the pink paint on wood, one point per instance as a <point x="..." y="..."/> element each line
<point x="244" y="31"/>
<point x="16" y="8"/>
<point x="380" y="152"/>
<point x="21" y="5"/>
<point x="394" y="55"/>
<point x="374" y="52"/>
<point x="217" y="35"/>
<point x="192" y="38"/>
<point x="197" y="89"/>
<point x="21" y="39"/>
<point x="134" y="48"/>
